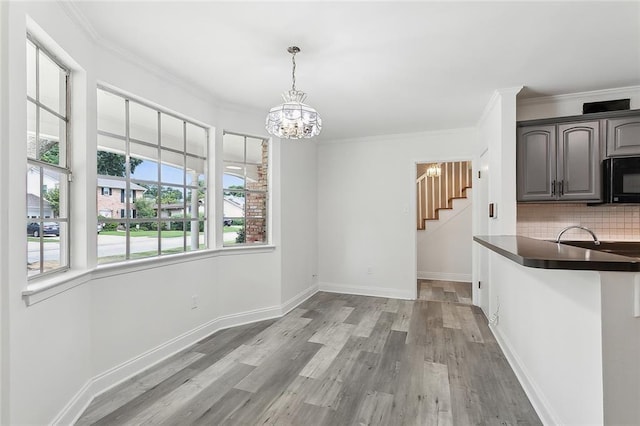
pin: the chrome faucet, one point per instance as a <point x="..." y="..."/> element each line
<point x="595" y="239"/>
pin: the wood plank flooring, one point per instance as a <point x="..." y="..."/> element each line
<point x="335" y="360"/>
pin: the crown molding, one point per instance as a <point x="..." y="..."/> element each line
<point x="399" y="137"/>
<point x="495" y="96"/>
<point x="202" y="93"/>
<point x="577" y="95"/>
<point x="79" y="18"/>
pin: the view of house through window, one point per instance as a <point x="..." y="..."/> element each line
<point x="151" y="188"/>
<point x="245" y="189"/>
<point x="48" y="170"/>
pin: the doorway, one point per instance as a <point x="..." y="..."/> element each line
<point x="444" y="221"/>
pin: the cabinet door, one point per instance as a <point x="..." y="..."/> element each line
<point x="579" y="173"/>
<point x="623" y="136"/>
<point x="536" y="163"/>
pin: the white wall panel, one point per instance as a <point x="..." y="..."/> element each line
<point x="366" y="208"/>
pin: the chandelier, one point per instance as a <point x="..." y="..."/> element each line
<point x="433" y="170"/>
<point x="293" y="119"/>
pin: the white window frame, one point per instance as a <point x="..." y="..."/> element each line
<point x="65" y="170"/>
<point x="266" y="192"/>
<point x="130" y="221"/>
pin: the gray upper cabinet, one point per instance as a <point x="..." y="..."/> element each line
<point x="623" y="136"/>
<point x="578" y="169"/>
<point x="559" y="162"/>
<point x="536" y="163"/>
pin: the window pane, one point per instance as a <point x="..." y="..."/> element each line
<point x="256" y="177"/>
<point x="33" y="248"/>
<point x="172" y="202"/>
<point x="172" y="239"/>
<point x="32" y="145"/>
<point x="47" y="239"/>
<point x="34" y="192"/>
<point x="52" y="84"/>
<point x="256" y="204"/>
<point x="256" y="231"/>
<point x="234" y="232"/>
<point x="233" y="148"/>
<point x="111" y="159"/>
<point x="196" y="140"/>
<point x="172" y="168"/>
<point x="195" y="171"/>
<point x="195" y="235"/>
<point x="31" y="70"/>
<point x="196" y="202"/>
<point x="143" y="123"/>
<point x="46" y="197"/>
<point x="256" y="151"/>
<point x="112" y="243"/>
<point x="233" y="176"/>
<point x="234" y="204"/>
<point x="54" y="193"/>
<point x="111" y="113"/>
<point x="144" y="243"/>
<point x="52" y="144"/>
<point x="172" y="133"/>
<point x="146" y="201"/>
<point x="144" y="164"/>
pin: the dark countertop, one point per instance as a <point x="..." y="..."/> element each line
<point x="549" y="255"/>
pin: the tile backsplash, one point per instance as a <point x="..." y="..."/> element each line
<point x="609" y="222"/>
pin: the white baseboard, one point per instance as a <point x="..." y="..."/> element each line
<point x="444" y="276"/>
<point x="393" y="293"/>
<point x="537" y="398"/>
<point x="116" y="375"/>
<point x="298" y="299"/>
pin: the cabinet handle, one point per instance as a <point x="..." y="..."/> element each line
<point x="553" y="188"/>
<point x="561" y="190"/>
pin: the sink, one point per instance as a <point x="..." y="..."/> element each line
<point x="622" y="248"/>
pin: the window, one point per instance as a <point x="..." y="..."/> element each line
<point x="106" y="191"/>
<point x="156" y="162"/>
<point x="48" y="172"/>
<point x="245" y="189"/>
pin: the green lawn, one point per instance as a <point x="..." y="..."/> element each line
<point x="45" y="239"/>
<point x="143" y="254"/>
<point x="231" y="228"/>
<point x="165" y="234"/>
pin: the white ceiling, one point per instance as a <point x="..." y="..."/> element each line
<point x="380" y="67"/>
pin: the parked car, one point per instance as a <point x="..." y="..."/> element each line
<point x="100" y="226"/>
<point x="48" y="228"/>
<point x="227" y="222"/>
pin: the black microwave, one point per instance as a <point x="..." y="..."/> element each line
<point x="621" y="180"/>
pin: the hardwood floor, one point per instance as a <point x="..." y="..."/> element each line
<point x="335" y="360"/>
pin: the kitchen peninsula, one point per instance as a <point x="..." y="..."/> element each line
<point x="568" y="319"/>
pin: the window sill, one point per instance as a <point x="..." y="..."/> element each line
<point x="47" y="288"/>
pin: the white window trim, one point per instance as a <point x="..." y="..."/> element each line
<point x="208" y="131"/>
<point x="269" y="205"/>
<point x="66" y="170"/>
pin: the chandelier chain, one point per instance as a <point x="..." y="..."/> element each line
<point x="293" y="73"/>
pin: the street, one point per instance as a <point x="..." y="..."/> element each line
<point x="108" y="245"/>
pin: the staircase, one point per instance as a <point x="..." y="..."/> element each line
<point x="437" y="185"/>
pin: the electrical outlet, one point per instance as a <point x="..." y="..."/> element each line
<point x="194" y="301"/>
<point x="369" y="270"/>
